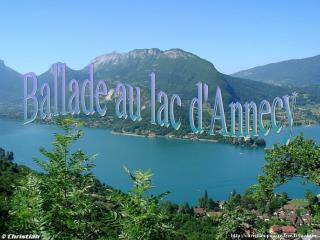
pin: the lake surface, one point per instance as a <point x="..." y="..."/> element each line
<point x="185" y="168"/>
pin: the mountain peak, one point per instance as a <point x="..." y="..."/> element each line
<point x="107" y="58"/>
<point x="116" y="58"/>
<point x="144" y="52"/>
<point x="177" y="53"/>
<point x="59" y="64"/>
<point x="2" y="63"/>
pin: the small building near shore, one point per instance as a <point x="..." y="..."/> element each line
<point x="279" y="229"/>
<point x="199" y="212"/>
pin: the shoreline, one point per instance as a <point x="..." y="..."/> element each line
<point x="169" y="137"/>
<point x="152" y="135"/>
<point x="126" y="134"/>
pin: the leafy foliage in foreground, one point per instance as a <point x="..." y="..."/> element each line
<point x="299" y="158"/>
<point x="10" y="175"/>
<point x="142" y="216"/>
<point x="59" y="199"/>
<point x="62" y="203"/>
<point x="27" y="214"/>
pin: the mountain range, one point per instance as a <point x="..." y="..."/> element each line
<point x="295" y="72"/>
<point x="177" y="71"/>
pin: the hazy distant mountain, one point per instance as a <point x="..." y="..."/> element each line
<point x="296" y="72"/>
<point x="70" y="74"/>
<point x="11" y="83"/>
<point x="176" y="71"/>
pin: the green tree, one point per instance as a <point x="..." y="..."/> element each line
<point x="187" y="227"/>
<point x="312" y="199"/>
<point x="66" y="186"/>
<point x="208" y="203"/>
<point x="235" y="220"/>
<point x="26" y="213"/>
<point x="213" y="205"/>
<point x="142" y="217"/>
<point x="10" y="176"/>
<point x="169" y="207"/>
<point x="299" y="158"/>
<point x="185" y="209"/>
<point x="313" y="206"/>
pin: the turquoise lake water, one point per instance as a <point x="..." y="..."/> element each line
<point x="185" y="168"/>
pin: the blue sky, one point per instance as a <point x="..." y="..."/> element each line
<point x="233" y="35"/>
